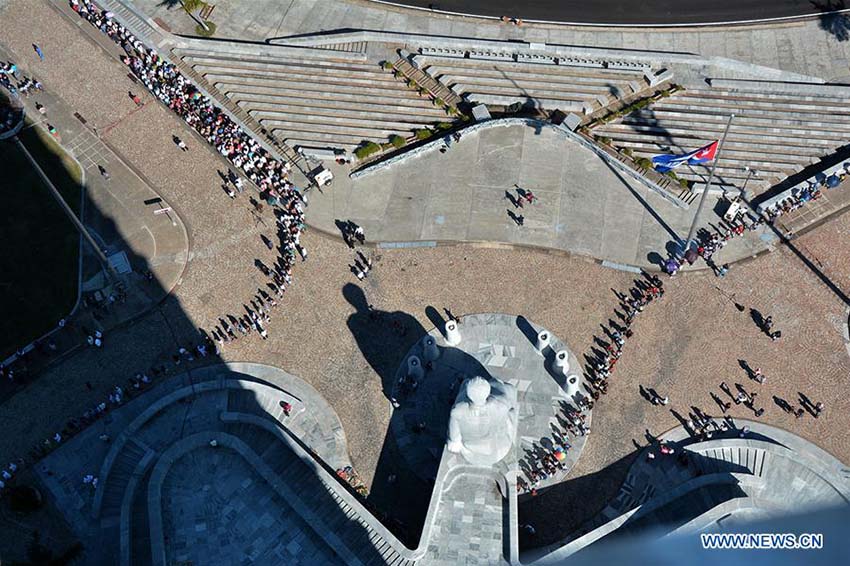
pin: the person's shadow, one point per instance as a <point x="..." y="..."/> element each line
<point x="758" y="318"/>
<point x="383" y="337"/>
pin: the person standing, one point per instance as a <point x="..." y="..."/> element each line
<point x="38" y="51"/>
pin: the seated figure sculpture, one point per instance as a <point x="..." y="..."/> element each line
<point x="483" y="421"/>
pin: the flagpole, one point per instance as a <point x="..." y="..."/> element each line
<point x="693" y="229"/>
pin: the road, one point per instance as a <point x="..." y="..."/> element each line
<point x="643" y="12"/>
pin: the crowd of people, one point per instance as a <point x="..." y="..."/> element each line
<point x="547" y="462"/>
<point x="795" y="200"/>
<point x="269" y="174"/>
<point x="12" y="80"/>
<point x="708" y="243"/>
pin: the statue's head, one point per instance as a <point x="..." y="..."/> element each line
<point x="478" y="389"/>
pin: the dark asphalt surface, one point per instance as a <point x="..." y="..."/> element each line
<point x="637" y="12"/>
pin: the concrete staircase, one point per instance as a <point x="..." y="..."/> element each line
<point x="315" y="97"/>
<point x="767" y="473"/>
<point x="550" y="87"/>
<point x="776" y="134"/>
<point x="119" y="477"/>
<point x="255" y="418"/>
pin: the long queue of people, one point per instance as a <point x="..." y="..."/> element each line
<point x="165" y="82"/>
<point x="548" y="461"/>
<point x="270" y="175"/>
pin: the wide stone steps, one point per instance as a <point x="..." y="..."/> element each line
<point x="252" y="93"/>
<point x="321" y="76"/>
<point x="342" y="108"/>
<point x="294" y="127"/>
<point x="322" y="140"/>
<point x="792" y="121"/>
<point x="733" y="459"/>
<point x="331" y="510"/>
<point x="766" y="145"/>
<point x="241" y="401"/>
<point x="227" y="82"/>
<point x="755" y="108"/>
<point x="140" y="553"/>
<point x="737" y="151"/>
<point x="536" y="80"/>
<point x="474" y="65"/>
<point x="304" y="57"/>
<point x="691" y="130"/>
<point x="256" y="438"/>
<point x="776" y="99"/>
<point x="119" y="476"/>
<point x="352" y="119"/>
<point x="518" y="91"/>
<point x="354" y="46"/>
<point x="129" y="19"/>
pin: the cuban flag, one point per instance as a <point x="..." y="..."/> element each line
<point x="667" y="161"/>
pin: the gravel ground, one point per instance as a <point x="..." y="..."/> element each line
<point x="683" y="346"/>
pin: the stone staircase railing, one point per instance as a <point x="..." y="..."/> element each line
<point x="429" y="83"/>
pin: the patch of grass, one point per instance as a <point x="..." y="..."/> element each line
<point x="39" y="246"/>
<point x="199" y="29"/>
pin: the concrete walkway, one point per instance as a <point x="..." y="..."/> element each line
<point x="815" y="47"/>
<point x="585" y="206"/>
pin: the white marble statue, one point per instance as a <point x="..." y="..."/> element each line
<point x="483" y="421"/>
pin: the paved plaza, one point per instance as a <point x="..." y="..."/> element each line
<point x="336" y="345"/>
<point x="232" y="516"/>
<point x="585" y="206"/>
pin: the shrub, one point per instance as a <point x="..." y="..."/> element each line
<point x="422" y="91"/>
<point x="683" y="183"/>
<point x="444" y="126"/>
<point x="627" y="151"/>
<point x="465" y="118"/>
<point x="199" y="29"/>
<point x="438" y="102"/>
<point x="671" y="174"/>
<point x="192" y="5"/>
<point x="422" y="134"/>
<point x="603" y="140"/>
<point x="367" y="149"/>
<point x="450" y="111"/>
<point x="644" y="162"/>
<point x="665" y="93"/>
<point x="412" y="84"/>
<point x="386" y="65"/>
<point x="397" y="141"/>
